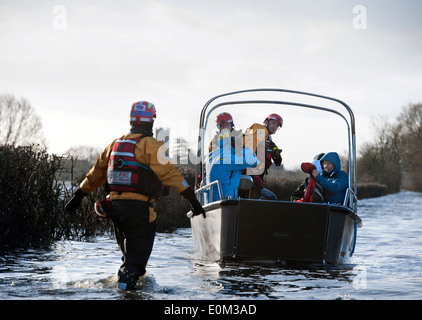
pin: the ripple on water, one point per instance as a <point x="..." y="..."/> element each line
<point x="387" y="262"/>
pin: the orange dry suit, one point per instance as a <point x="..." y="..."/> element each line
<point x="119" y="163"/>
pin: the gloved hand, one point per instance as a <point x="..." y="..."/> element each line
<point x="197" y="208"/>
<point x="275" y="152"/>
<point x="224" y="134"/>
<point x="277" y="157"/>
<point x="75" y="202"/>
<point x="307" y="167"/>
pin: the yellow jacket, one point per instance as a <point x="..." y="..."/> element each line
<point x="150" y="152"/>
<point x="256" y="136"/>
<point x="259" y="133"/>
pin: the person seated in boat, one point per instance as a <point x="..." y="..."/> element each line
<point x="224" y="121"/>
<point x="332" y="179"/>
<point x="318" y="193"/>
<point x="266" y="151"/>
<point x="226" y="160"/>
<point x="317" y="162"/>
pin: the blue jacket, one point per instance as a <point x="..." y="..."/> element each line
<point x="336" y="183"/>
<point x="225" y="166"/>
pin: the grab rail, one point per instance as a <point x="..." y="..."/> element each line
<point x="209" y="185"/>
<point x="350" y="199"/>
<point x="205" y="113"/>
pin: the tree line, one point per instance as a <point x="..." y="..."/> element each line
<point x="33" y="191"/>
<point x="394" y="157"/>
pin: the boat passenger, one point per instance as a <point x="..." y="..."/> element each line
<point x="224" y="121"/>
<point x="299" y="194"/>
<point x="317" y="161"/>
<point x="266" y="151"/>
<point x="333" y="180"/>
<point x="227" y="159"/>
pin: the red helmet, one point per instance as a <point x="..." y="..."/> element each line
<point x="276" y="117"/>
<point x="224" y="118"/>
<point x="141" y="112"/>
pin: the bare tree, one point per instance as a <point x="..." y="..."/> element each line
<point x="19" y="124"/>
<point x="410" y="121"/>
<point x="381" y="160"/>
<point x="84" y="153"/>
<point x="394" y="157"/>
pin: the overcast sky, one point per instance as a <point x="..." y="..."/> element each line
<point x="81" y="64"/>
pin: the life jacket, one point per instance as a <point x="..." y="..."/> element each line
<point x="313" y="192"/>
<point x="126" y="174"/>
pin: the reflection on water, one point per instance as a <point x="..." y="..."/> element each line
<point x="387" y="264"/>
<point x="275" y="282"/>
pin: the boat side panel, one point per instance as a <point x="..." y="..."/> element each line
<point x="206" y="234"/>
<point x="341" y="236"/>
<point x="228" y="229"/>
<point x="214" y="237"/>
<point x="282" y="230"/>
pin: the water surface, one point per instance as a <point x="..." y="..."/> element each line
<point x="387" y="264"/>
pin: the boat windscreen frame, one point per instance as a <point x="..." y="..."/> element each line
<point x="351" y="131"/>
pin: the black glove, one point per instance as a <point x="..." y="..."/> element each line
<point x="75" y="202"/>
<point x="197" y="209"/>
<point x="275" y="154"/>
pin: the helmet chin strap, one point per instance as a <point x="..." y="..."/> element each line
<point x="145" y="130"/>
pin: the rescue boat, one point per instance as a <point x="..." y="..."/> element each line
<point x="276" y="231"/>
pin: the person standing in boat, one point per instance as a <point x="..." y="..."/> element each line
<point x="266" y="151"/>
<point x="332" y="179"/>
<point x="227" y="159"/>
<point x="134" y="167"/>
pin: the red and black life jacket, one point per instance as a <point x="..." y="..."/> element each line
<point x="126" y="174"/>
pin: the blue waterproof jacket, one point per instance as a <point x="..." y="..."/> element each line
<point x="225" y="166"/>
<point x="336" y="183"/>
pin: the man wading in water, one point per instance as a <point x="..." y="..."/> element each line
<point x="134" y="169"/>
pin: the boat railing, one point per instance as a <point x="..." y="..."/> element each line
<point x="204" y="194"/>
<point x="223" y="100"/>
<point x="350" y="199"/>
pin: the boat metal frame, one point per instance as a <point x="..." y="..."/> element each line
<point x="226" y="236"/>
<point x="351" y="193"/>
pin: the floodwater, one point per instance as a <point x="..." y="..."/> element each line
<point x="387" y="264"/>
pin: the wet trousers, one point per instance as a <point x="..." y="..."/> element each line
<point x="135" y="237"/>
